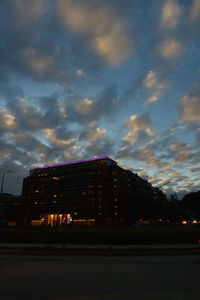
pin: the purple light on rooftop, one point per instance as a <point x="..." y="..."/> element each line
<point x="70" y="163"/>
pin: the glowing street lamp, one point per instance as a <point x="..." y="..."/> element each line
<point x="4" y="173"/>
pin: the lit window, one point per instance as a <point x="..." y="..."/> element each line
<point x="99" y="186"/>
<point x="116" y="213"/>
<point x="115" y="179"/>
<point x="115" y="206"/>
<point x="115" y="186"/>
<point x="54" y="201"/>
<point x="100" y="199"/>
<point x="55" y="196"/>
<point x="99" y="213"/>
<point x="116" y="199"/>
<point x="37" y="191"/>
<point x="56" y="178"/>
<point x="35" y="203"/>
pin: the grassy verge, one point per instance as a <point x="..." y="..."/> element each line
<point x="143" y="235"/>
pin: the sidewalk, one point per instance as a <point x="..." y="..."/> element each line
<point x="98" y="247"/>
<point x="78" y="249"/>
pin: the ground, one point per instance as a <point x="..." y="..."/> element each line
<point x="96" y="278"/>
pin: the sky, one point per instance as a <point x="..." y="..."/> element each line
<point x="90" y="78"/>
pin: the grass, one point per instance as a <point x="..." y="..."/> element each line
<point x="182" y="234"/>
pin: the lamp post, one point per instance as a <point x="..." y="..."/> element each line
<point x="4" y="173"/>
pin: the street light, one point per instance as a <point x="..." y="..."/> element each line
<point x="4" y="173"/>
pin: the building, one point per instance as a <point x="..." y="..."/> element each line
<point x="10" y="210"/>
<point x="93" y="191"/>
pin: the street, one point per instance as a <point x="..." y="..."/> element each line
<point x="85" y="277"/>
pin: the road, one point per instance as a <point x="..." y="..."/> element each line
<point x="99" y="278"/>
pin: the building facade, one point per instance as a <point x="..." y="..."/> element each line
<point x="11" y="212"/>
<point x="94" y="191"/>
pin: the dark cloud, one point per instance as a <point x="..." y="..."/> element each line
<point x="100" y="148"/>
<point x="84" y="111"/>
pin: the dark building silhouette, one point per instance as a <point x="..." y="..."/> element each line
<point x="94" y="191"/>
<point x="11" y="213"/>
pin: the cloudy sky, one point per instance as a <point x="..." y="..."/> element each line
<point x="84" y="78"/>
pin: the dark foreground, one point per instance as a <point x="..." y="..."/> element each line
<point x="85" y="277"/>
<point x="135" y="235"/>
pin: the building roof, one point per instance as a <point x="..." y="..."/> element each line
<point x="71" y="163"/>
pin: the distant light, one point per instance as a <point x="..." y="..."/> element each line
<point x="194" y="222"/>
<point x="184" y="222"/>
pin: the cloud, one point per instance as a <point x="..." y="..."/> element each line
<point x="96" y="134"/>
<point x="45" y="113"/>
<point x="189" y="109"/>
<point x="170" y="14"/>
<point x="195" y="12"/>
<point x="7" y="121"/>
<point x="146" y="155"/>
<point x="105" y="33"/>
<point x="179" y="147"/>
<point x="154" y="84"/>
<point x="183" y="152"/>
<point x="153" y="98"/>
<point x="44" y="64"/>
<point x="84" y="106"/>
<point x="170" y="48"/>
<point x="140" y="128"/>
<point x="88" y="111"/>
<point x="80" y="72"/>
<point x="29" y="13"/>
<point x="151" y="81"/>
<point x="31" y="10"/>
<point x="56" y="141"/>
<point x="102" y="147"/>
<point x="195" y="169"/>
